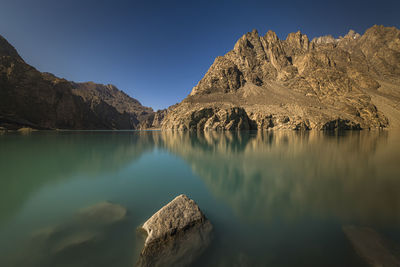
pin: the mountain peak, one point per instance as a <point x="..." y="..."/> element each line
<point x="29" y="98"/>
<point x="294" y="84"/>
<point x="6" y="49"/>
<point x="298" y="40"/>
<point x="352" y="35"/>
<point x="271" y="36"/>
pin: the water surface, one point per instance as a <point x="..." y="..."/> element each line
<point x="275" y="199"/>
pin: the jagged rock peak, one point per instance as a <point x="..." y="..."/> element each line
<point x="295" y="84"/>
<point x="247" y="40"/>
<point x="250" y="36"/>
<point x="352" y="35"/>
<point x="326" y="39"/>
<point x="298" y="40"/>
<point x="329" y="39"/>
<point x="380" y="32"/>
<point x="271" y="36"/>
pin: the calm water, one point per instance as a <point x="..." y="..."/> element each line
<point x="275" y="199"/>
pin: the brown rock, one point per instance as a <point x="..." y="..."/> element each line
<point x="324" y="84"/>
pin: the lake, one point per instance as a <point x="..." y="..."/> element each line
<point x="274" y="198"/>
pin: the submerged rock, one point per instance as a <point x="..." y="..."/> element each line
<point x="103" y="213"/>
<point x="176" y="234"/>
<point x="371" y="246"/>
<point x="83" y="239"/>
<point x="89" y="225"/>
<point x="75" y="240"/>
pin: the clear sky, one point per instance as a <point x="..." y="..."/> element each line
<point x="156" y="51"/>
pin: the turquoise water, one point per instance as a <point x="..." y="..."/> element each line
<point x="275" y="199"/>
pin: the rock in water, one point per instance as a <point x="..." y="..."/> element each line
<point x="176" y="234"/>
<point x="371" y="246"/>
<point x="103" y="213"/>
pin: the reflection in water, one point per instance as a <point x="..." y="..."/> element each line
<point x="277" y="198"/>
<point x="289" y="174"/>
<point x="29" y="162"/>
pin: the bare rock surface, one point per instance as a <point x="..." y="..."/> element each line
<point x="371" y="246"/>
<point x="349" y="83"/>
<point x="176" y="235"/>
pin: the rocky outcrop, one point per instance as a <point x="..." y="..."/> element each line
<point x="29" y="98"/>
<point x="327" y="83"/>
<point x="159" y="116"/>
<point x="211" y="118"/>
<point x="176" y="235"/>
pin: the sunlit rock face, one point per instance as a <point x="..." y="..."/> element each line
<point x="264" y="176"/>
<point x="176" y="235"/>
<point x="347" y="83"/>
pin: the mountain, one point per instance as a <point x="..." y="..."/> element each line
<point x="29" y="98"/>
<point x="352" y="82"/>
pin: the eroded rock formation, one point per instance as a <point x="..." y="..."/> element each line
<point x="352" y="82"/>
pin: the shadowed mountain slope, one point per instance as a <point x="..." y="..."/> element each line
<point x="29" y="98"/>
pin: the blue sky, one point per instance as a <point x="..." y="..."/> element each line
<point x="156" y="51"/>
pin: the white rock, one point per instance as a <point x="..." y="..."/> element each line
<point x="176" y="234"/>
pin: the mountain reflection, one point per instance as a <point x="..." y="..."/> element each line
<point x="42" y="158"/>
<point x="289" y="175"/>
<point x="261" y="176"/>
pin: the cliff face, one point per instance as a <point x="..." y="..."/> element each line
<point x="29" y="98"/>
<point x="349" y="83"/>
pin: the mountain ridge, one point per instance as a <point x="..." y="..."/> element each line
<point x="30" y="98"/>
<point x="326" y="83"/>
<point x="350" y="82"/>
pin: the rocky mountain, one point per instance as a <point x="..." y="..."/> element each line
<point x="350" y="82"/>
<point x="29" y="98"/>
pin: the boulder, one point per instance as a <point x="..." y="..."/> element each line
<point x="176" y="234"/>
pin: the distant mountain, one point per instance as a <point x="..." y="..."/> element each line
<point x="352" y="82"/>
<point x="29" y="98"/>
